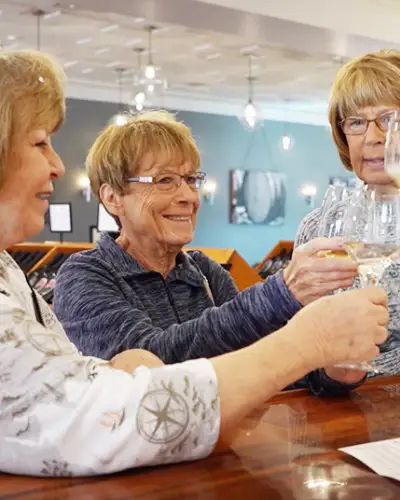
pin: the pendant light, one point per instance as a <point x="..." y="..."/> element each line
<point x="151" y="79"/>
<point x="121" y="118"/>
<point x="250" y="116"/>
<point x="139" y="91"/>
<point x="39" y="16"/>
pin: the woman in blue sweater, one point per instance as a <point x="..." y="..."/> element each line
<point x="138" y="289"/>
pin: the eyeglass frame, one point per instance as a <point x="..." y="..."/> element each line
<point x="375" y="120"/>
<point x="200" y="176"/>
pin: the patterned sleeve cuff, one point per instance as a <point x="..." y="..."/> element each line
<point x="321" y="384"/>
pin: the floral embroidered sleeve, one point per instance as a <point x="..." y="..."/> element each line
<point x="65" y="414"/>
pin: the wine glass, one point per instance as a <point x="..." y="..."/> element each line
<point x="392" y="148"/>
<point x="372" y="230"/>
<point x="369" y="221"/>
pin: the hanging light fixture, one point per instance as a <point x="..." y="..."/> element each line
<point x="139" y="91"/>
<point x="121" y="118"/>
<point x="150" y="70"/>
<point x="250" y="115"/>
<point x="39" y="16"/>
<point x="150" y="79"/>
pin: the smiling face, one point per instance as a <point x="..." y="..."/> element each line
<point x="153" y="216"/>
<point x="367" y="151"/>
<point x="30" y="170"/>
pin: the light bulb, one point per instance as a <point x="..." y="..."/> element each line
<point x="139" y="106"/>
<point x="250" y="115"/>
<point x="119" y="119"/>
<point x="139" y="98"/>
<point x="150" y="88"/>
<point x="83" y="181"/>
<point x="308" y="190"/>
<point x="150" y="72"/>
<point x="287" y="142"/>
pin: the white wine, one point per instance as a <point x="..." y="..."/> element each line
<point x="372" y="259"/>
<point x="336" y="254"/>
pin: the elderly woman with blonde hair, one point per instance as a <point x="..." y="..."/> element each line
<point x="62" y="413"/>
<point x="364" y="95"/>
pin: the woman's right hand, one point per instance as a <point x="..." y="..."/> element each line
<point x="311" y="275"/>
<point x="341" y="328"/>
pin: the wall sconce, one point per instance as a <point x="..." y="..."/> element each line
<point x="308" y="192"/>
<point x="84" y="186"/>
<point x="209" y="190"/>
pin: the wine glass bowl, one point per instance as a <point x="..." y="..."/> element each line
<point x="392" y="148"/>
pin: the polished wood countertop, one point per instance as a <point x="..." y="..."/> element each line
<point x="286" y="450"/>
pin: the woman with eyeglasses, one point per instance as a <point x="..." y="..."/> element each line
<point x="365" y="93"/>
<point x="65" y="414"/>
<point x="138" y="289"/>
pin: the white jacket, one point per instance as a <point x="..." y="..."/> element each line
<point x="64" y="414"/>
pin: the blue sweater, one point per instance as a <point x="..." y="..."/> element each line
<point x="107" y="303"/>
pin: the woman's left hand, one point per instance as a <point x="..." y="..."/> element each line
<point x="311" y="274"/>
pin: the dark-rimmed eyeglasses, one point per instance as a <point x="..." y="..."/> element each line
<point x="171" y="182"/>
<point x="355" y="125"/>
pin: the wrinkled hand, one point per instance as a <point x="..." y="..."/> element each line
<point x="341" y="328"/>
<point x="129" y="360"/>
<point x="311" y="275"/>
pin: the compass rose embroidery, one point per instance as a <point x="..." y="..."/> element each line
<point x="163" y="416"/>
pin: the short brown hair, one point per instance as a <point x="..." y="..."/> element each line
<point x="31" y="96"/>
<point x="370" y="80"/>
<point x="119" y="150"/>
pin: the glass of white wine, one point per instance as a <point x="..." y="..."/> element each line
<point x="333" y="211"/>
<point x="392" y="148"/>
<point x="371" y="227"/>
<point x="369" y="220"/>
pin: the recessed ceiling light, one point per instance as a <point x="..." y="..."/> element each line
<point x="68" y="64"/>
<point x="11" y="38"/>
<point x="249" y="49"/>
<point x="110" y="27"/>
<point x="49" y="15"/>
<point x="211" y="57"/>
<point x="104" y="50"/>
<point x="82" y="41"/>
<point x="162" y="29"/>
<point x="86" y="71"/>
<point x="139" y="20"/>
<point x="71" y="6"/>
<point x="133" y="42"/>
<point x="112" y="64"/>
<point x="203" y="47"/>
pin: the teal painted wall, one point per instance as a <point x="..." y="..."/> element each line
<point x="223" y="143"/>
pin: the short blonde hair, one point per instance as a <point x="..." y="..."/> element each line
<point x="119" y="150"/>
<point x="370" y="80"/>
<point x="31" y="96"/>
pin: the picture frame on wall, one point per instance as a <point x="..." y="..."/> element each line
<point x="60" y="218"/>
<point x="94" y="234"/>
<point x="105" y="222"/>
<point x="257" y="197"/>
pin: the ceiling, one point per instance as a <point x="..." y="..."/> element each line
<point x="198" y="46"/>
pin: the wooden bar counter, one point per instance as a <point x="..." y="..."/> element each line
<point x="286" y="450"/>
